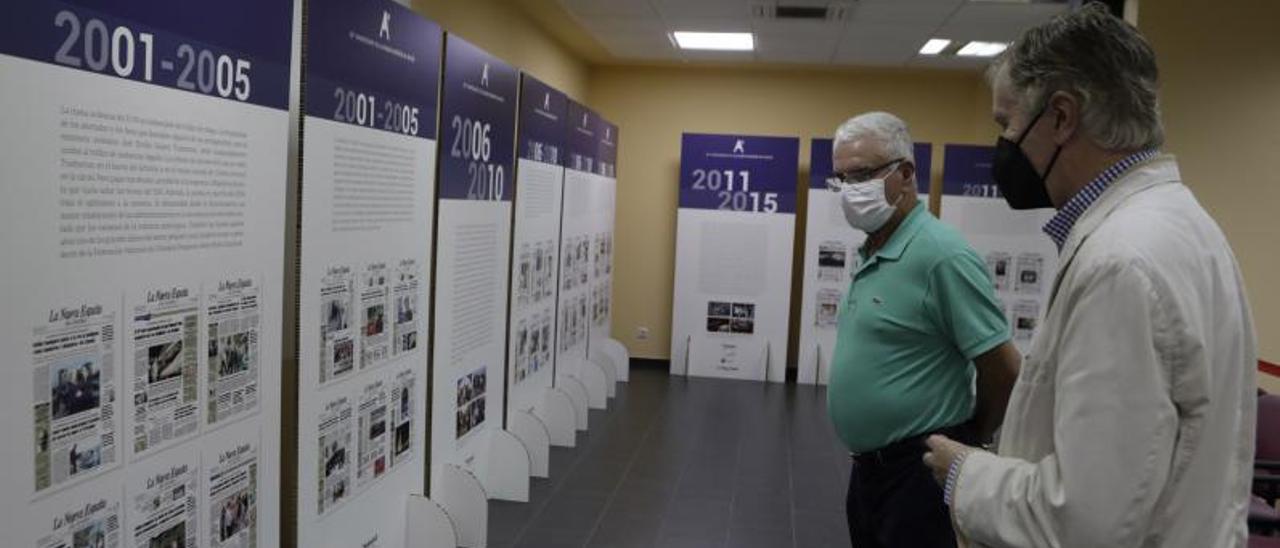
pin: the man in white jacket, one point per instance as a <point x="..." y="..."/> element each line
<point x="1132" y="420"/>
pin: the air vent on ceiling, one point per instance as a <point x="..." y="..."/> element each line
<point x="800" y="11"/>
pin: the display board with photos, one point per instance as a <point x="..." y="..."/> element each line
<point x="473" y="256"/>
<point x="535" y="246"/>
<point x="144" y="160"/>
<point x="735" y="227"/>
<point x="1021" y="259"/>
<point x="586" y="193"/>
<point x="831" y="258"/>
<point x="603" y="212"/>
<point x="371" y="73"/>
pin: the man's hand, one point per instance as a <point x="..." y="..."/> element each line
<point x="942" y="452"/>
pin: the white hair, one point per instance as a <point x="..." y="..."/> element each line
<point x="881" y="126"/>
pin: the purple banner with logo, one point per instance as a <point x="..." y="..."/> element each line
<point x="374" y="64"/>
<point x="820" y="164"/>
<point x="607" y="154"/>
<point x="236" y="50"/>
<point x="477" y="124"/>
<point x="543" y="111"/>
<point x="966" y="171"/>
<point x="582" y="141"/>
<point x="739" y="172"/>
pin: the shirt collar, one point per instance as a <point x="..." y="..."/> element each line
<point x="1059" y="227"/>
<point x="901" y="236"/>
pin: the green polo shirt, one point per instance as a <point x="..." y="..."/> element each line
<point x="917" y="313"/>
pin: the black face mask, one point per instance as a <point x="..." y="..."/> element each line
<point x="1021" y="186"/>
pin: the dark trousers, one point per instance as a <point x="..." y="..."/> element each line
<point x="893" y="500"/>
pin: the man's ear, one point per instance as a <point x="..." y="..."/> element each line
<point x="1065" y="112"/>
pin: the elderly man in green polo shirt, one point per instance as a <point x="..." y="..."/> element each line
<point x="920" y="322"/>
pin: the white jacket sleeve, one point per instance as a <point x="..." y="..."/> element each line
<point x="1114" y="429"/>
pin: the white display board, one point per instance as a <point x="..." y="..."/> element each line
<point x="535" y="263"/>
<point x="143" y="149"/>
<point x="603" y="218"/>
<point x="734" y="234"/>
<point x="371" y="71"/>
<point x="830" y="259"/>
<point x="586" y="193"/>
<point x="473" y="254"/>
<point x="1021" y="259"/>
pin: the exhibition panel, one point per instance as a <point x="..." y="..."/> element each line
<point x="477" y="122"/>
<point x="830" y="259"/>
<point x="535" y="253"/>
<point x="603" y="208"/>
<point x="370" y="75"/>
<point x="734" y="236"/>
<point x="1020" y="258"/>
<point x="143" y="154"/>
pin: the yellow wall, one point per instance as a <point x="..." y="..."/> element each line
<point x="1221" y="102"/>
<point x="505" y="30"/>
<point x="654" y="105"/>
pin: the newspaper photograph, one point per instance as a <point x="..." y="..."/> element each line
<point x="1030" y="273"/>
<point x="371" y="431"/>
<point x="544" y="341"/>
<point x="521" y="341"/>
<point x="470" y="399"/>
<point x="584" y="252"/>
<point x="233" y="349"/>
<point x="165" y="364"/>
<point x="337" y="339"/>
<point x="828" y="308"/>
<point x="94" y="524"/>
<point x="233" y="498"/>
<point x="402" y="405"/>
<point x="164" y="514"/>
<point x="1026" y="313"/>
<point x="335" y="454"/>
<point x="524" y="275"/>
<point x="543" y="283"/>
<point x="831" y="261"/>
<point x="405" y="292"/>
<point x="998" y="264"/>
<point x="375" y="332"/>
<point x="74" y="409"/>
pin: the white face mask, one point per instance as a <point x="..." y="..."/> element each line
<point x="865" y="205"/>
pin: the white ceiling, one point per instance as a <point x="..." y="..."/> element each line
<point x="873" y="32"/>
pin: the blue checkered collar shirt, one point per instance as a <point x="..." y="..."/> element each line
<point x="1059" y="227"/>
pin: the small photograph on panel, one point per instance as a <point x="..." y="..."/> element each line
<point x="76" y="386"/>
<point x="1030" y="272"/>
<point x="374" y="320"/>
<point x="828" y="308"/>
<point x="344" y="356"/>
<point x="522" y="352"/>
<point x="743" y="326"/>
<point x="546" y="338"/>
<point x="832" y="257"/>
<point x="719" y="308"/>
<point x="92" y="535"/>
<point x="744" y="310"/>
<point x="537" y="285"/>
<point x="337" y="315"/>
<point x="719" y="325"/>
<point x="524" y="274"/>
<point x="998" y="264"/>
<point x="173" y="537"/>
<point x="162" y="362"/>
<point x="1026" y="314"/>
<point x="333" y="457"/>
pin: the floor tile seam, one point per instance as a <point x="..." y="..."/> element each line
<point x="635" y="455"/>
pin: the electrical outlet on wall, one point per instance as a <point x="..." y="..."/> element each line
<point x="642" y="333"/>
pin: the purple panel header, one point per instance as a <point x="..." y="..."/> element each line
<point x="739" y="172"/>
<point x="607" y="153"/>
<point x="478" y="123"/>
<point x="237" y="50"/>
<point x="373" y="64"/>
<point x="543" y="111"/>
<point x="966" y="171"/>
<point x="582" y="141"/>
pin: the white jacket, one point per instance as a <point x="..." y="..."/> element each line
<point x="1132" y="421"/>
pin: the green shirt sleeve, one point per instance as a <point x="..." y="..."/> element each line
<point x="961" y="300"/>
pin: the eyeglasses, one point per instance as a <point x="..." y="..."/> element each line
<point x="859" y="175"/>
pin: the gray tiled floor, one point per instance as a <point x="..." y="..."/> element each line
<point x="690" y="462"/>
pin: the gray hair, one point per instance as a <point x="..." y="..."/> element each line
<point x="1101" y="60"/>
<point x="881" y="126"/>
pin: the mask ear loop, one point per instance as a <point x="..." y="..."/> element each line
<point x="1027" y="130"/>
